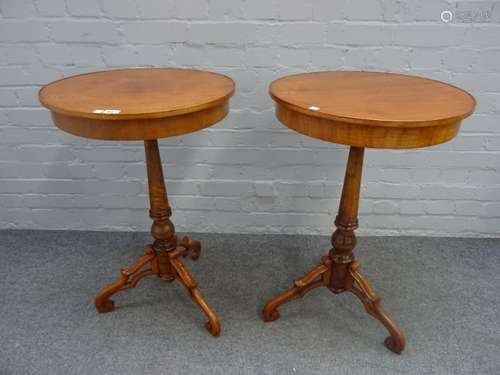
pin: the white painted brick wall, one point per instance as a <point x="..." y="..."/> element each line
<point x="248" y="173"/>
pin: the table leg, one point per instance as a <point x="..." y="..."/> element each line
<point x="339" y="271"/>
<point x="164" y="255"/>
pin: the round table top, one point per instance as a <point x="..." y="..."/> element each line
<point x="152" y="97"/>
<point x="353" y="101"/>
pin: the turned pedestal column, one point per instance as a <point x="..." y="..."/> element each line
<point x="164" y="255"/>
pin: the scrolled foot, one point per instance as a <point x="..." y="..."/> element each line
<point x="394" y="345"/>
<point x="213" y="327"/>
<point x="104" y="306"/>
<point x="128" y="279"/>
<point x="191" y="247"/>
<point x="270" y="314"/>
<point x="195" y="250"/>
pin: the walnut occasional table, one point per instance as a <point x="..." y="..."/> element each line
<point x="362" y="109"/>
<point x="145" y="104"/>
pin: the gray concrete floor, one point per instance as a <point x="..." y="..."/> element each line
<point x="443" y="292"/>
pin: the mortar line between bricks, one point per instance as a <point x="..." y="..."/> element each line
<point x="253" y="44"/>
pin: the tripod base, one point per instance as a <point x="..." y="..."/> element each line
<point x="168" y="265"/>
<point x="354" y="282"/>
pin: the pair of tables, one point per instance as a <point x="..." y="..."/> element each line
<point x="359" y="109"/>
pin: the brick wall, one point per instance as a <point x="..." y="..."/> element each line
<point x="248" y="173"/>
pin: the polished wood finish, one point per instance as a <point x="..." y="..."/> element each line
<point x="164" y="255"/>
<point x="364" y="117"/>
<point x="339" y="271"/>
<point x="145" y="104"/>
<point x="370" y="109"/>
<point x="142" y="104"/>
<point x="366" y="136"/>
<point x="141" y="129"/>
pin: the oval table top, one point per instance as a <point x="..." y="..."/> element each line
<point x="138" y="103"/>
<point x="371" y="109"/>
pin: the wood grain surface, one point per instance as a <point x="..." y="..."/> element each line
<point x="371" y="109"/>
<point x="137" y="93"/>
<point x="374" y="98"/>
<point x="138" y="104"/>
